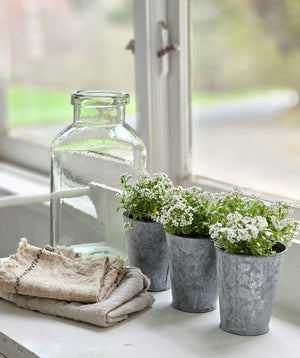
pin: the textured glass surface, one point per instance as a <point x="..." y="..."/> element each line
<point x="93" y="152"/>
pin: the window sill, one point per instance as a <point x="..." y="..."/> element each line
<point x="160" y="331"/>
<point x="30" y="154"/>
<point x="31" y="221"/>
<point x="19" y="181"/>
<point x="16" y="180"/>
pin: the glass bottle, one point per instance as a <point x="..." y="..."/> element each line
<point x="93" y="152"/>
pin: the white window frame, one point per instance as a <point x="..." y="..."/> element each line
<point x="163" y="101"/>
<point x="163" y="109"/>
<point x="29" y="154"/>
<point x="163" y="112"/>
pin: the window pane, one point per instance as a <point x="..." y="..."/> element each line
<point x="245" y="85"/>
<point x="52" y="48"/>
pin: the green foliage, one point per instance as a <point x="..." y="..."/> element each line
<point x="239" y="224"/>
<point x="144" y="198"/>
<point x="187" y="212"/>
<point x="292" y="15"/>
<point x="239" y="45"/>
<point x="249" y="225"/>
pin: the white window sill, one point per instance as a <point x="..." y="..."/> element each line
<point x="14" y="180"/>
<point x="29" y="153"/>
<point x="160" y="331"/>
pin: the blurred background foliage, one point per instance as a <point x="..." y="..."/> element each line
<point x="242" y="44"/>
<point x="239" y="48"/>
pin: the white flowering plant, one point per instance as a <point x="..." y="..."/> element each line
<point x="187" y="212"/>
<point x="249" y="225"/>
<point x="144" y="198"/>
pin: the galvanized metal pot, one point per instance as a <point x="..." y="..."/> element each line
<point x="147" y="249"/>
<point x="247" y="287"/>
<point x="193" y="273"/>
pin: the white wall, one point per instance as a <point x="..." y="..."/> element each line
<point x="21" y="221"/>
<point x="288" y="292"/>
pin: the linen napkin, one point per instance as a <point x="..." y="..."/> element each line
<point x="59" y="274"/>
<point x="59" y="282"/>
<point x="129" y="297"/>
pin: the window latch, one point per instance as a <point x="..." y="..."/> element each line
<point x="171" y="47"/>
<point x="166" y="48"/>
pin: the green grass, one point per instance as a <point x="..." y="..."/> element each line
<point x="209" y="98"/>
<point x="31" y="106"/>
<point x="34" y="106"/>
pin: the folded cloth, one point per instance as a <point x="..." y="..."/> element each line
<point x="130" y="296"/>
<point x="60" y="274"/>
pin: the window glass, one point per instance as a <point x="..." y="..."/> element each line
<point x="50" y="48"/>
<point x="245" y="93"/>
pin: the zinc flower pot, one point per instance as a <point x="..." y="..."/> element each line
<point x="247" y="287"/>
<point x="147" y="249"/>
<point x="193" y="273"/>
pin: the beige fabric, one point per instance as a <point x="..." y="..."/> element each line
<point x="130" y="296"/>
<point x="59" y="274"/>
<point x="59" y="282"/>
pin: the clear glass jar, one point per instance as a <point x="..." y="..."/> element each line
<point x="97" y="148"/>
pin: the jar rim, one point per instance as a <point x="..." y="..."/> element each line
<point x="104" y="98"/>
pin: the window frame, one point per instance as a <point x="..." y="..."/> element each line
<point x="163" y="101"/>
<point x="163" y="106"/>
<point x="29" y="154"/>
<point x="163" y="111"/>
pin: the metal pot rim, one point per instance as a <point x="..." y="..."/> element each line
<point x="190" y="237"/>
<point x="284" y="249"/>
<point x="126" y="215"/>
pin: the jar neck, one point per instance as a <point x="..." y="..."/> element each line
<point x="104" y="115"/>
<point x="99" y="107"/>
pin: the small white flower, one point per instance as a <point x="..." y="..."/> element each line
<point x="127" y="226"/>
